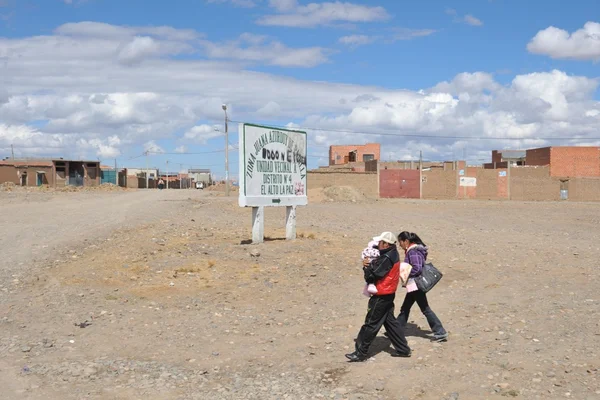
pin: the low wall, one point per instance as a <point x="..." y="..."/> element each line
<point x="533" y="184"/>
<point x="439" y="184"/>
<point x="518" y="183"/>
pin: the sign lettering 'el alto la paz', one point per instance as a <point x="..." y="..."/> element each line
<point x="272" y="166"/>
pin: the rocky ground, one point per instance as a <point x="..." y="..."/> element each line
<point x="159" y="295"/>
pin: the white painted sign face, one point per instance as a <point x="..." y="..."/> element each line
<point x="467" y="181"/>
<point x="272" y="166"/>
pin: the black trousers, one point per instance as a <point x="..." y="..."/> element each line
<point x="381" y="312"/>
<point x="420" y="298"/>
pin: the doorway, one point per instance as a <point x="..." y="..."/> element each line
<point x="24" y="179"/>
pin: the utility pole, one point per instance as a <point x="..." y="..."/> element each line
<point x="116" y="174"/>
<point x="167" y="174"/>
<point x="224" y="106"/>
<point x="12" y="150"/>
<point x="146" y="169"/>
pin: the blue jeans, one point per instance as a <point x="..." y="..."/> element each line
<point x="421" y="299"/>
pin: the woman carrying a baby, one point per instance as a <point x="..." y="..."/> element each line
<point x="383" y="272"/>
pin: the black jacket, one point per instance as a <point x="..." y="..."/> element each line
<point x="382" y="265"/>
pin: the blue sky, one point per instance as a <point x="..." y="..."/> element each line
<point x="436" y="68"/>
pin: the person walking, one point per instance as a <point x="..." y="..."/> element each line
<point x="384" y="272"/>
<point x="415" y="254"/>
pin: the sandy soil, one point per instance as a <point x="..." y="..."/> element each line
<point x="157" y="295"/>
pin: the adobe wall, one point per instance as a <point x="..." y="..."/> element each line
<point x="533" y="184"/>
<point x="584" y="189"/>
<point x="438" y="184"/>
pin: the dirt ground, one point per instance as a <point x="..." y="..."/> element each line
<point x="158" y="295"/>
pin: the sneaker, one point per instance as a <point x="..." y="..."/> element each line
<point x="441" y="338"/>
<point x="355" y="357"/>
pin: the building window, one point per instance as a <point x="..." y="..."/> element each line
<point x="368" y="157"/>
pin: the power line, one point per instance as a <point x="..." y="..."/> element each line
<point x="429" y="136"/>
<point x="187" y="152"/>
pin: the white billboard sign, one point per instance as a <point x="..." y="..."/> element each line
<point x="272" y="166"/>
<point x="468" y="181"/>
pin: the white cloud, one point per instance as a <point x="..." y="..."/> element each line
<point x="201" y="134"/>
<point x="395" y="35"/>
<point x="356" y="40"/>
<point x="471" y="20"/>
<point x="467" y="19"/>
<point x="315" y="14"/>
<point x="283" y="5"/>
<point x="181" y="149"/>
<point x="583" y="44"/>
<point x="407" y="34"/>
<point x="67" y="94"/>
<point x="152" y="147"/>
<point x="258" y="48"/>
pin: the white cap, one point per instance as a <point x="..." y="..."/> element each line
<point x="387" y="237"/>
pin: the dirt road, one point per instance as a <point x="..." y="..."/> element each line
<point x="34" y="227"/>
<point x="182" y="307"/>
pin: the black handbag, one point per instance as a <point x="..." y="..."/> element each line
<point x="429" y="277"/>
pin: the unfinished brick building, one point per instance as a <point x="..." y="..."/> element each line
<point x="345" y="154"/>
<point x="567" y="161"/>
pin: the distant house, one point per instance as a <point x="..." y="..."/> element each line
<point x="354" y="153"/>
<point x="53" y="172"/>
<point x="562" y="161"/>
<point x="514" y="157"/>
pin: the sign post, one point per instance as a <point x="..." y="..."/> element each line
<point x="273" y="173"/>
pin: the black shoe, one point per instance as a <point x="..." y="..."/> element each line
<point x="355" y="357"/>
<point x="404" y="355"/>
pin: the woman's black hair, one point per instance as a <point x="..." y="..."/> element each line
<point x="411" y="237"/>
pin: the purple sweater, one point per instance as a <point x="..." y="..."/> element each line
<point x="416" y="257"/>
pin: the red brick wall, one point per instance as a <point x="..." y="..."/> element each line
<point x="538" y="156"/>
<point x="574" y="161"/>
<point x="399" y="183"/>
<point x="496" y="156"/>
<point x="338" y="154"/>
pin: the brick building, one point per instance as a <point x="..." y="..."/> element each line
<point x="354" y="153"/>
<point x="567" y="161"/>
<point x="52" y="172"/>
<point x="515" y="157"/>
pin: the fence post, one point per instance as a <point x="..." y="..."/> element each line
<point x="508" y="180"/>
